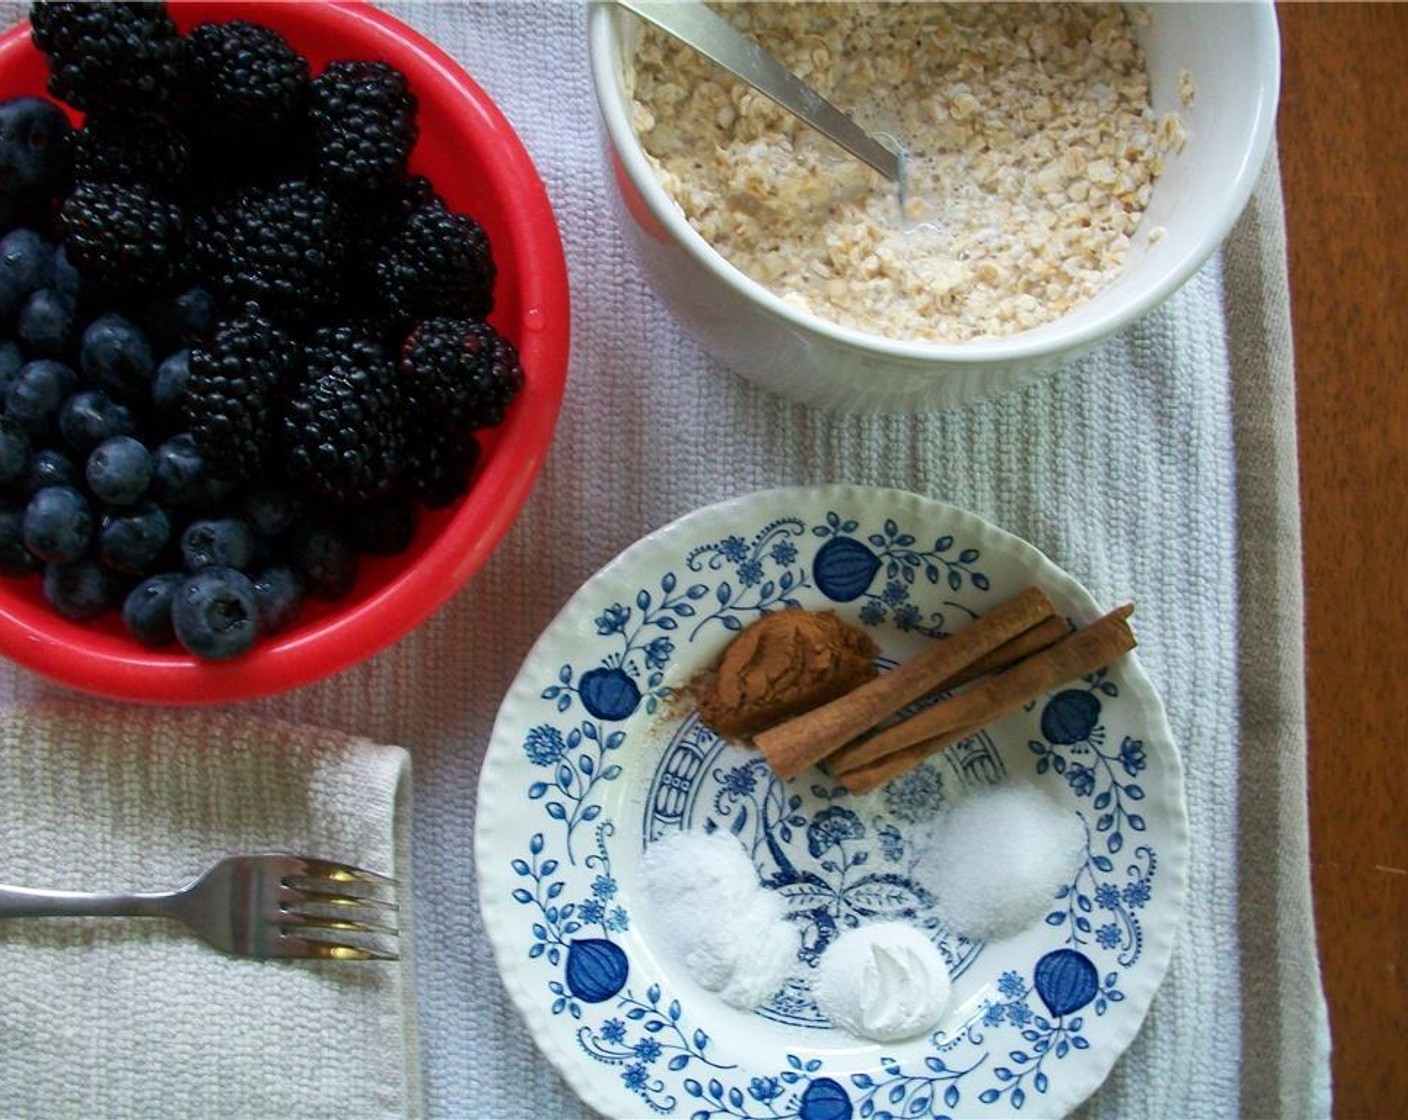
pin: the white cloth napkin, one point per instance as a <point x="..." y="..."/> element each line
<point x="130" y="1017"/>
<point x="1161" y="468"/>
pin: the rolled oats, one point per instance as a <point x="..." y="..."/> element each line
<point x="1032" y="155"/>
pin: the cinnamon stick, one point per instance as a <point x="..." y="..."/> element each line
<point x="1045" y="633"/>
<point x="805" y="740"/>
<point x="872" y="761"/>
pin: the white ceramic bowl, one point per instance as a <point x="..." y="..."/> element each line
<point x="1232" y="51"/>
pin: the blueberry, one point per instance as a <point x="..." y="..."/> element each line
<point x="26" y="265"/>
<point x="278" y="593"/>
<point x="48" y="323"/>
<point x="14" y="449"/>
<point x="222" y="542"/>
<point x="179" y="322"/>
<point x="214" y="613"/>
<point x="79" y="589"/>
<point x="11" y="359"/>
<point x="383" y="527"/>
<point x="179" y="477"/>
<point x="15" y="559"/>
<point x="57" y="524"/>
<point x="36" y="149"/>
<point x="325" y="560"/>
<point x="131" y="541"/>
<point x="119" y="470"/>
<point x="116" y="354"/>
<point x="48" y="467"/>
<point x="270" y="510"/>
<point x="37" y="393"/>
<point x="90" y="416"/>
<point x="169" y="387"/>
<point x="146" y="611"/>
<point x="66" y="278"/>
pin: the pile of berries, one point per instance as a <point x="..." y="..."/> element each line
<point x="240" y="343"/>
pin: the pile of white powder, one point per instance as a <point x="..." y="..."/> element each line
<point x="730" y="932"/>
<point x="995" y="861"/>
<point x="884" y="981"/>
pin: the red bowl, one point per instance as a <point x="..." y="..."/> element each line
<point x="478" y="164"/>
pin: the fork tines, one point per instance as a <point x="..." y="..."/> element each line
<point x="322" y="897"/>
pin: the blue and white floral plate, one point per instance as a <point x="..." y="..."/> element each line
<point x="596" y="755"/>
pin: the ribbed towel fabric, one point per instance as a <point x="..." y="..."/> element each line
<point x="1160" y="468"/>
<point x="134" y="1017"/>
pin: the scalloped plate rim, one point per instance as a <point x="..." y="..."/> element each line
<point x="592" y="1082"/>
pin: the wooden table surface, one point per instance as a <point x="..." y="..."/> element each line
<point x="1343" y="134"/>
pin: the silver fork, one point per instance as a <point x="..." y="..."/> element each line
<point x="255" y="906"/>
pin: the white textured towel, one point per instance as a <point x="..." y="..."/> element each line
<point x="136" y="1017"/>
<point x="1161" y="468"/>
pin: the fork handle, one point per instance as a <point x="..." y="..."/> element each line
<point x="27" y="902"/>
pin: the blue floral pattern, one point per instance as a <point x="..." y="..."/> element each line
<point x="612" y="716"/>
<point x="837" y="864"/>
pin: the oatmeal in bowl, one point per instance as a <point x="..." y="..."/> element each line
<point x="1068" y="167"/>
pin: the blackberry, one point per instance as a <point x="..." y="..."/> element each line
<point x="232" y="395"/>
<point x="376" y="226"/>
<point x="436" y="263"/>
<point x="120" y="53"/>
<point x="123" y="239"/>
<point x="362" y="116"/>
<point x="281" y="246"/>
<point x="438" y="463"/>
<point x="370" y="230"/>
<point x="460" y="373"/>
<point x="143" y="149"/>
<point x="243" y="79"/>
<point x="342" y="425"/>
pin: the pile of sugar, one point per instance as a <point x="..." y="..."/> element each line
<point x="995" y="861"/>
<point x="731" y="933"/>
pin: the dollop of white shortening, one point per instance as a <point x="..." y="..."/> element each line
<point x="884" y="982"/>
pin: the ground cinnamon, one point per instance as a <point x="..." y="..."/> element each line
<point x="804" y="741"/>
<point x="787" y="662"/>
